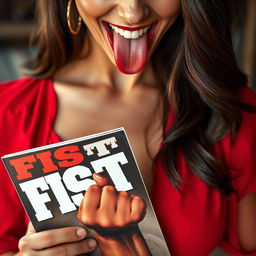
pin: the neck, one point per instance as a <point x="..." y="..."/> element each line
<point x="94" y="67"/>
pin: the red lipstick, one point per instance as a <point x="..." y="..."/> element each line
<point x="110" y="32"/>
<point x="129" y="28"/>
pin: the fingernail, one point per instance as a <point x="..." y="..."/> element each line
<point x="92" y="243"/>
<point x="81" y="232"/>
<point x="98" y="176"/>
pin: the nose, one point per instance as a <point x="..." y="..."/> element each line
<point x="132" y="11"/>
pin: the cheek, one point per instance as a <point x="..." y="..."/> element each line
<point x="166" y="8"/>
<point x="95" y="8"/>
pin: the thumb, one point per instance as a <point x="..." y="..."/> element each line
<point x="100" y="180"/>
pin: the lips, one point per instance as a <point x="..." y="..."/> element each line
<point x="127" y="28"/>
<point x="130" y="45"/>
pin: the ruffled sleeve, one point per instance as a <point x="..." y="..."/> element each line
<point x="243" y="169"/>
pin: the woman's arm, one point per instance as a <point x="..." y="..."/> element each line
<point x="127" y="242"/>
<point x="247" y="222"/>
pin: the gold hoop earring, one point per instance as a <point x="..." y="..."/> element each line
<point x="78" y="28"/>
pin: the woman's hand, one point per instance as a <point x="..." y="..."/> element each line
<point x="64" y="241"/>
<point x="104" y="207"/>
<point x="114" y="216"/>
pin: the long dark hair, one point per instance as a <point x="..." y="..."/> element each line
<point x="200" y="74"/>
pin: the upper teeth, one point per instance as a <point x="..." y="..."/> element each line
<point x="130" y="34"/>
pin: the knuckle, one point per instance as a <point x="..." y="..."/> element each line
<point x="109" y="188"/>
<point x="83" y="247"/>
<point x="90" y="223"/>
<point x="140" y="202"/>
<point x="105" y="223"/>
<point x="70" y="235"/>
<point x="122" y="222"/>
<point x="86" y="219"/>
<point x="124" y="194"/>
<point x="23" y="244"/>
<point x="48" y="239"/>
<point x="138" y="199"/>
<point x="93" y="188"/>
<point x="61" y="251"/>
<point x="137" y="217"/>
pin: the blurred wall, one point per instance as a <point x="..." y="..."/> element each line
<point x="16" y="23"/>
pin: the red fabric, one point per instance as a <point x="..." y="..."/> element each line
<point x="27" y="112"/>
<point x="194" y="221"/>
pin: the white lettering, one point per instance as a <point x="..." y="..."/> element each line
<point x="111" y="163"/>
<point x="36" y="199"/>
<point x="75" y="185"/>
<point x="101" y="146"/>
<point x="66" y="205"/>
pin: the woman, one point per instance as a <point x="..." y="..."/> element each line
<point x="164" y="70"/>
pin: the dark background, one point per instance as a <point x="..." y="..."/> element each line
<point x="16" y="24"/>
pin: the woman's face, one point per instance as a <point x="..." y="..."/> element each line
<point x="128" y="30"/>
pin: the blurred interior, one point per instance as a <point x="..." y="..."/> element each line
<point x="16" y="24"/>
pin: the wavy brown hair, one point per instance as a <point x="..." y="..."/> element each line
<point x="200" y="77"/>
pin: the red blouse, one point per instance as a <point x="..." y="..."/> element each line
<point x="194" y="221"/>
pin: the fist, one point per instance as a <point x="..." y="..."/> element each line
<point x="104" y="207"/>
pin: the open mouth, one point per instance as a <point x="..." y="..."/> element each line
<point x="128" y="32"/>
<point x="130" y="45"/>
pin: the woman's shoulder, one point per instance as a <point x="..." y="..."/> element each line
<point x="25" y="101"/>
<point x="23" y="92"/>
<point x="27" y="111"/>
<point x="23" y="81"/>
<point x="26" y="85"/>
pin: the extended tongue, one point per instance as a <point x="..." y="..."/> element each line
<point x="130" y="54"/>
